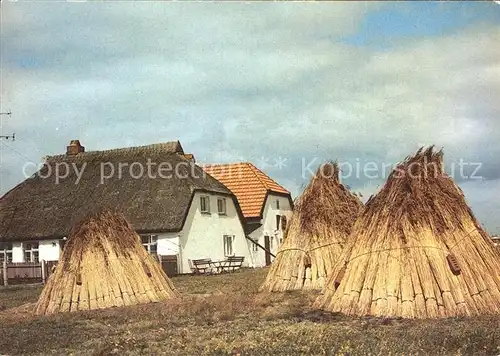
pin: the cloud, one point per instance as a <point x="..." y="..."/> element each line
<point x="482" y="196"/>
<point x="249" y="82"/>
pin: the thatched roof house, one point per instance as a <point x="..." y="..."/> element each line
<point x="266" y="206"/>
<point x="320" y="225"/>
<point x="417" y="251"/>
<point x="161" y="191"/>
<point x="104" y="265"/>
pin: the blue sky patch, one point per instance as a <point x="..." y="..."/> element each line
<point x="396" y="22"/>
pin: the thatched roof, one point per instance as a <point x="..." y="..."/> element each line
<point x="104" y="265"/>
<point x="43" y="208"/>
<point x="417" y="251"/>
<point x="321" y="222"/>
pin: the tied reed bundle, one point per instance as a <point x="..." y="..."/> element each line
<point x="416" y="251"/>
<point x="321" y="221"/>
<point x="104" y="265"/>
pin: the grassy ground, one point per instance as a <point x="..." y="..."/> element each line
<point x="222" y="315"/>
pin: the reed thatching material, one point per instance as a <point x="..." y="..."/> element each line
<point x="322" y="220"/>
<point x="104" y="265"/>
<point x="154" y="200"/>
<point x="416" y="251"/>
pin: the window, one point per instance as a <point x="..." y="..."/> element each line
<point x="283" y="222"/>
<point x="277" y="204"/>
<point x="150" y="243"/>
<point x="271" y="243"/>
<point x="255" y="248"/>
<point x="278" y="219"/>
<point x="221" y="206"/>
<point x="205" y="204"/>
<point x="31" y="252"/>
<point x="5" y="252"/>
<point x="228" y="245"/>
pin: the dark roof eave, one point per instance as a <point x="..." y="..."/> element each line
<point x="253" y="219"/>
<point x="60" y="237"/>
<point x="156" y="231"/>
<point x="32" y="238"/>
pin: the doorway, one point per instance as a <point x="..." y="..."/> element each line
<point x="267" y="245"/>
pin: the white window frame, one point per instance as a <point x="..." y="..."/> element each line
<point x="228" y="245"/>
<point x="223" y="205"/>
<point x="6" y="252"/>
<point x="206" y="200"/>
<point x="31" y="251"/>
<point x="152" y="240"/>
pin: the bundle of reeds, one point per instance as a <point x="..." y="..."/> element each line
<point x="416" y="251"/>
<point x="322" y="219"/>
<point x="104" y="265"/>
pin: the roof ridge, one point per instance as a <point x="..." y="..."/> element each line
<point x="224" y="164"/>
<point x="254" y="168"/>
<point x="154" y="147"/>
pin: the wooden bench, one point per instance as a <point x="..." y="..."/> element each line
<point x="233" y="263"/>
<point x="201" y="266"/>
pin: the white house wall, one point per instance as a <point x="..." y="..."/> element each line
<point x="168" y="243"/>
<point x="269" y="227"/>
<point x="17" y="252"/>
<point x="202" y="234"/>
<point x="49" y="250"/>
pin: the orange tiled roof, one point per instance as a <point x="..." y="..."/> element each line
<point x="248" y="183"/>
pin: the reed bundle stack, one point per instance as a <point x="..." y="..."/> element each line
<point x="416" y="251"/>
<point x="104" y="265"/>
<point x="321" y="222"/>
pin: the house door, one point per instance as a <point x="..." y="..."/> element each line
<point x="267" y="246"/>
<point x="169" y="264"/>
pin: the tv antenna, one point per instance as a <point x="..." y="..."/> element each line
<point x="7" y="137"/>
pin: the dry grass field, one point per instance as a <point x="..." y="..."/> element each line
<point x="224" y="315"/>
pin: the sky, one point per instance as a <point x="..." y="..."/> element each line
<point x="283" y="85"/>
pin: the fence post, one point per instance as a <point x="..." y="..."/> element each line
<point x="44" y="275"/>
<point x="179" y="262"/>
<point x="5" y="277"/>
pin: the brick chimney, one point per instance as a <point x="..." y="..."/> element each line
<point x="74" y="148"/>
